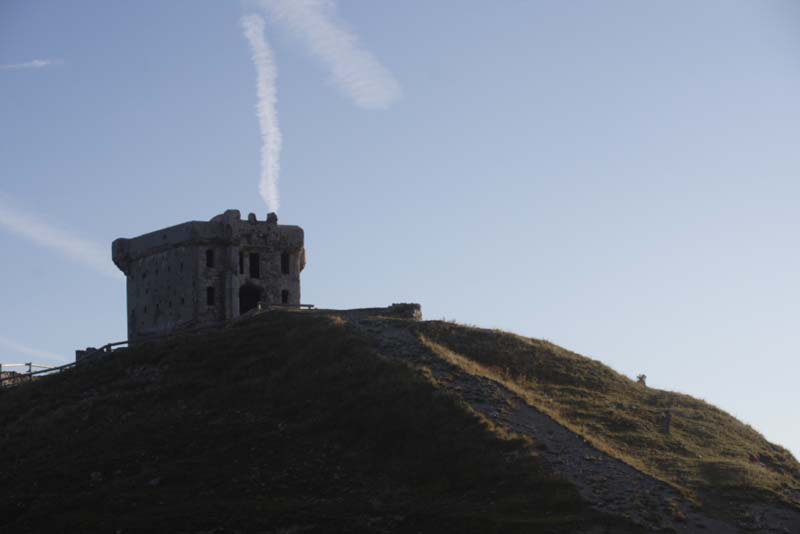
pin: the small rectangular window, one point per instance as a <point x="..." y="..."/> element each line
<point x="241" y="263"/>
<point x="285" y="296"/>
<point x="210" y="296"/>
<point x="285" y="263"/>
<point x="209" y="258"/>
<point x="255" y="265"/>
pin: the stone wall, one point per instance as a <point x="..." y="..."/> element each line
<point x="401" y="310"/>
<point x="206" y="272"/>
<point x="162" y="291"/>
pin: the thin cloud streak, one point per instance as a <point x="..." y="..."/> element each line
<point x="34" y="64"/>
<point x="19" y="349"/>
<point x="266" y="110"/>
<point x="78" y="249"/>
<point x="353" y="69"/>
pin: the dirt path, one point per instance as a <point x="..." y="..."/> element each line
<point x="607" y="484"/>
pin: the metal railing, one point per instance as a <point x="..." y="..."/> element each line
<point x="14" y="378"/>
<point x="29" y="365"/>
<point x="11" y="379"/>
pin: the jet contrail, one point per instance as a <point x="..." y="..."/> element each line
<point x="34" y="64"/>
<point x="266" y="74"/>
<point x="35" y="229"/>
<point x="353" y="69"/>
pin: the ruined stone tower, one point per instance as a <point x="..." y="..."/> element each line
<point x="205" y="272"/>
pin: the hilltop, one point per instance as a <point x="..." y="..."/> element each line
<point x="359" y="422"/>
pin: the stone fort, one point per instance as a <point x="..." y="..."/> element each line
<point x="200" y="273"/>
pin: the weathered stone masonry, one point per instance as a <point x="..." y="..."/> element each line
<point x="204" y="272"/>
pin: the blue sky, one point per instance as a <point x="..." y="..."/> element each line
<point x="618" y="177"/>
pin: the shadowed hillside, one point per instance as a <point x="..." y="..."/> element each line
<point x="347" y="422"/>
<point x="285" y="423"/>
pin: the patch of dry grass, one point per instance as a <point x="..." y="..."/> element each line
<point x="705" y="452"/>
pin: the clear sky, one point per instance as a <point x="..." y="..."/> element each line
<point x="619" y="177"/>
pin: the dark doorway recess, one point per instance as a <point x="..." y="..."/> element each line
<point x="249" y="296"/>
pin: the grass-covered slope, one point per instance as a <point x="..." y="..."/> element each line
<point x="285" y="423"/>
<point x="707" y="453"/>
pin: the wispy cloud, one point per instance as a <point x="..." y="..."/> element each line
<point x="18" y="349"/>
<point x="353" y="69"/>
<point x="266" y="75"/>
<point x="78" y="249"/>
<point x="33" y="64"/>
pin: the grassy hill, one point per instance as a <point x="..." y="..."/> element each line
<point x="318" y="422"/>
<point x="706" y="453"/>
<point x="286" y="423"/>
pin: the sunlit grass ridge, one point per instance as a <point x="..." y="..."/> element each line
<point x="704" y="449"/>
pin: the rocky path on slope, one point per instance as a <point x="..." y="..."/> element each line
<point x="607" y="484"/>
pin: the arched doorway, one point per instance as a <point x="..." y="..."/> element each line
<point x="249" y="297"/>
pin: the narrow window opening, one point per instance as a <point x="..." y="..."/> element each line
<point x="145" y="309"/>
<point x="285" y="296"/>
<point x="209" y="258"/>
<point x="255" y="265"/>
<point x="241" y="263"/>
<point x="210" y="296"/>
<point x="183" y="300"/>
<point x="181" y="267"/>
<point x="285" y="263"/>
